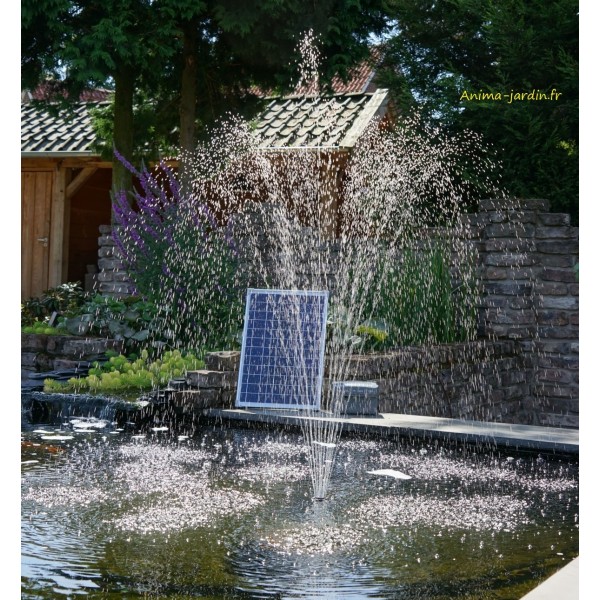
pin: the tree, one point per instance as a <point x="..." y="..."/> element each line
<point x="84" y="44"/>
<point x="464" y="63"/>
<point x="182" y="60"/>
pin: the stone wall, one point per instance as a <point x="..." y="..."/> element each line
<point x="112" y="277"/>
<point x="530" y="294"/>
<point x="62" y="352"/>
<point x="477" y="380"/>
<point x="529" y="298"/>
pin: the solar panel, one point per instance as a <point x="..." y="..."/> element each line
<point x="283" y="349"/>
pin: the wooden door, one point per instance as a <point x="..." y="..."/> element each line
<point x="36" y="210"/>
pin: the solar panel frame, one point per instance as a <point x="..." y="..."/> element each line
<point x="270" y="375"/>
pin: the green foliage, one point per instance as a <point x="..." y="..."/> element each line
<point x="131" y="320"/>
<point x="122" y="374"/>
<point x="411" y="302"/>
<point x="442" y="49"/>
<point x="42" y="327"/>
<point x="420" y="303"/>
<point x="64" y="299"/>
<point x="181" y="262"/>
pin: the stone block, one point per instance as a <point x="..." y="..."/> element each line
<point x="548" y="390"/>
<point x="110" y="264"/>
<point x="565" y="332"/>
<point x="228" y="398"/>
<point x="563" y="233"/>
<point x="558" y="247"/>
<point x="507" y="288"/>
<point x="204" y="378"/>
<point x="509" y="245"/>
<point x="106" y="252"/>
<point x="33" y="342"/>
<point x="82" y="349"/>
<point x="536" y="204"/>
<point x="192" y="400"/>
<point x="55" y="343"/>
<point x="552" y="346"/>
<point x="559" y="420"/>
<point x="117" y="289"/>
<point x="510" y="230"/>
<point x="106" y="240"/>
<point x="560" y="361"/>
<point x="508" y="259"/>
<point x="28" y="359"/>
<point x="223" y="361"/>
<point x="62" y="364"/>
<point x="553" y="317"/>
<point x="552" y="288"/>
<point x="565" y="261"/>
<point x="555" y="376"/>
<point x="509" y="317"/>
<point x="511" y="378"/>
<point x="561" y="302"/>
<point x="105" y="276"/>
<point x="43" y="362"/>
<point x="520" y="302"/>
<point x="554" y="219"/>
<point x="555" y="274"/>
<point x="519" y="390"/>
<point x="121" y="277"/>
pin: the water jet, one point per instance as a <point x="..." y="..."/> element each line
<point x="226" y="511"/>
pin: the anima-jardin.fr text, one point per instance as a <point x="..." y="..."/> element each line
<point x="529" y="96"/>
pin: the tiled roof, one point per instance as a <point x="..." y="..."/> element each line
<point x="361" y="79"/>
<point x="67" y="132"/>
<point x="295" y="121"/>
<point x="306" y="122"/>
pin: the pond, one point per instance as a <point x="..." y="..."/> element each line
<point x="109" y="511"/>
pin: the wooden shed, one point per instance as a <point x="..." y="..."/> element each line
<point x="65" y="184"/>
<point x="65" y="197"/>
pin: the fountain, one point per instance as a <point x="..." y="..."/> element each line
<point x="112" y="511"/>
<point x="109" y="511"/>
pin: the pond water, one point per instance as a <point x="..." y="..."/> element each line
<point x="112" y="512"/>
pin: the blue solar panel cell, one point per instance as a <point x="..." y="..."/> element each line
<point x="283" y="349"/>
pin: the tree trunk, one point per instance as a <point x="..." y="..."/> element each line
<point x="123" y="128"/>
<point x="187" y="109"/>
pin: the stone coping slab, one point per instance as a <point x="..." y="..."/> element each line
<point x="521" y="437"/>
<point x="563" y="585"/>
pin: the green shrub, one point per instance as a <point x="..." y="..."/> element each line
<point x="42" y="327"/>
<point x="122" y="374"/>
<point x="409" y="300"/>
<point x="420" y="302"/>
<point x="180" y="260"/>
<point x="64" y="299"/>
